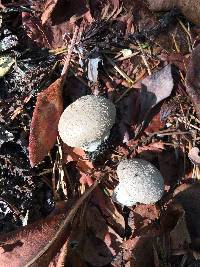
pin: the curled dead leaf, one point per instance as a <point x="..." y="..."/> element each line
<point x="44" y="124"/>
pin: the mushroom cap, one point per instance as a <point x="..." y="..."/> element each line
<point x="139" y="181"/>
<point x="86" y="121"/>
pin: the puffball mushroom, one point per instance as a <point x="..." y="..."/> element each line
<point x="139" y="181"/>
<point x="87" y="122"/>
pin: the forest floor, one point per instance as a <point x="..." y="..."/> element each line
<point x="56" y="206"/>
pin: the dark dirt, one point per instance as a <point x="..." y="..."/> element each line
<point x="22" y="191"/>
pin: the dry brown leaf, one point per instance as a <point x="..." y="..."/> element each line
<point x="170" y="166"/>
<point x="48" y="35"/>
<point x="193" y="79"/>
<point x="20" y="246"/>
<point x="155" y="125"/>
<point x="96" y="252"/>
<point x="179" y="235"/>
<point x="83" y="244"/>
<point x="188" y="196"/>
<point x="44" y="124"/>
<point x="59" y="11"/>
<point x="35" y="31"/>
<point x="155" y="147"/>
<point x="144" y="218"/>
<point x="78" y="155"/>
<point x="139" y="251"/>
<point x="48" y="8"/>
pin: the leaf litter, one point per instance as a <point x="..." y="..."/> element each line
<point x="157" y="120"/>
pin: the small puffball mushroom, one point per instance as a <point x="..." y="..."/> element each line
<point x="87" y="122"/>
<point x="139" y="181"/>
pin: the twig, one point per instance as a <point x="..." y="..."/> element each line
<point x="130" y="88"/>
<point x="121" y="72"/>
<point x="69" y="54"/>
<point x="191" y="125"/>
<point x="143" y="56"/>
<point x="64" y="226"/>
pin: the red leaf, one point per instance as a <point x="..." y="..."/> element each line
<point x="20" y="246"/>
<point x="49" y="7"/>
<point x="44" y="124"/>
<point x="76" y="154"/>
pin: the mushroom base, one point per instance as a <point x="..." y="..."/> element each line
<point x="94" y="145"/>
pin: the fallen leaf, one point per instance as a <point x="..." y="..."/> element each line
<point x="154" y="89"/>
<point x="99" y="228"/>
<point x="78" y="155"/>
<point x="143" y="219"/>
<point x="20" y="246"/>
<point x="177" y="59"/>
<point x="155" y="147"/>
<point x="84" y="243"/>
<point x="35" y="31"/>
<point x="96" y="252"/>
<point x="48" y="8"/>
<point x="188" y="196"/>
<point x="139" y="250"/>
<point x="47" y="35"/>
<point x="193" y="79"/>
<point x="59" y="11"/>
<point x="171" y="166"/>
<point x="194" y="155"/>
<point x="155" y="125"/>
<point x="180" y="238"/>
<point x="44" y="124"/>
<point x="179" y="235"/>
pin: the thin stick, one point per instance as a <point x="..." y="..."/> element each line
<point x="69" y="54"/>
<point x="120" y="71"/>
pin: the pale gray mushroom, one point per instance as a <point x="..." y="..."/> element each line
<point x="139" y="182"/>
<point x="87" y="122"/>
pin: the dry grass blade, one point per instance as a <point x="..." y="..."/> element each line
<point x="121" y="72"/>
<point x="64" y="226"/>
